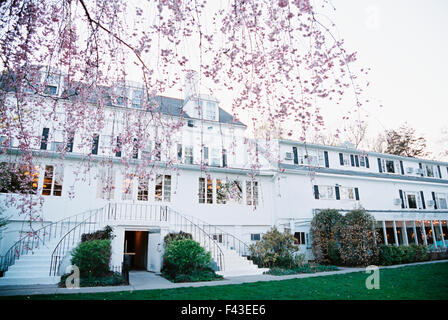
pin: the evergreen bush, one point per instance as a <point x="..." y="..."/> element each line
<point x="324" y="237"/>
<point x="92" y="258"/>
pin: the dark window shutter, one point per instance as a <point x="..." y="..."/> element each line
<point x="402" y="199"/>
<point x="421" y="167"/>
<point x="296" y="157"/>
<point x="440" y="172"/>
<point x="118" y="153"/>
<point x="357" y="160"/>
<point x="44" y="141"/>
<point x="434" y="199"/>
<point x="356" y="194"/>
<point x="327" y="163"/>
<point x="341" y="160"/>
<point x="379" y="165"/>
<point x="224" y="158"/>
<point x="367" y="162"/>
<point x="401" y="167"/>
<point x="423" y="199"/>
<point x="69" y="146"/>
<point x="352" y="160"/>
<point x="316" y="192"/>
<point x="338" y="195"/>
<point x="96" y="140"/>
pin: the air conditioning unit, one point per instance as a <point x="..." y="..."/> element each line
<point x="190" y="123"/>
<point x="409" y="170"/>
<point x="397" y="201"/>
<point x="430" y="203"/>
<point x="57" y="146"/>
<point x="288" y="156"/>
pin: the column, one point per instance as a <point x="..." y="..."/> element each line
<point x="415" y="232"/>
<point x="395" y="233"/>
<point x="434" y="238"/>
<point x="441" y="233"/>
<point x="405" y="233"/>
<point x="385" y="233"/>
<point x="424" y="233"/>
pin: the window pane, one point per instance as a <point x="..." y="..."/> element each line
<point x="221" y="192"/>
<point x="209" y="191"/>
<point x="58" y="180"/>
<point x="412" y="201"/>
<point x="158" y="188"/>
<point x="142" y="189"/>
<point x="201" y="190"/>
<point x="48" y="181"/>
<point x="167" y="188"/>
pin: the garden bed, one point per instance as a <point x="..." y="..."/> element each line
<point x="306" y="268"/>
<point x="195" y="277"/>
<point x="111" y="279"/>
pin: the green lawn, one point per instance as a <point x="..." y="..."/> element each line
<point x="413" y="282"/>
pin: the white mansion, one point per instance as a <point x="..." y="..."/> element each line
<point x="202" y="179"/>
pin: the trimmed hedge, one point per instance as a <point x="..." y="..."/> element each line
<point x="186" y="261"/>
<point x="105" y="234"/>
<point x="390" y="255"/>
<point x="92" y="258"/>
<point x="324" y="236"/>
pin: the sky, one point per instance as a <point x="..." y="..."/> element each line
<point x="404" y="42"/>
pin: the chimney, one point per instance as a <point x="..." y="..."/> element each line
<point x="191" y="84"/>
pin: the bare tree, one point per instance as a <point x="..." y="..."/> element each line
<point x="404" y="142"/>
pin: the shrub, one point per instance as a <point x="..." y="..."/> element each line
<point x="323" y="230"/>
<point x="176" y="236"/>
<point x="105" y="234"/>
<point x="390" y="255"/>
<point x="356" y="235"/>
<point x="92" y="258"/>
<point x="275" y="249"/>
<point x="185" y="257"/>
<point x="111" y="279"/>
<point x="334" y="256"/>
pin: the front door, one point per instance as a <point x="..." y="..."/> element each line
<point x="136" y="249"/>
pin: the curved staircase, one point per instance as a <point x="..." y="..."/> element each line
<point x="36" y="257"/>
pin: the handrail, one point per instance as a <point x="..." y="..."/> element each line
<point x="198" y="234"/>
<point x="33" y="239"/>
<point x="69" y="240"/>
<point x="225" y="238"/>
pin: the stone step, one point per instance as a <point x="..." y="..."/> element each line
<point x="25" y="280"/>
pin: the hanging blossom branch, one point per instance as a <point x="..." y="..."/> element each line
<point x="275" y="59"/>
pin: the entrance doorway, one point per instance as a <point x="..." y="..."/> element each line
<point x="136" y="249"/>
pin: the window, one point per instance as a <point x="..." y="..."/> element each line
<point x="143" y="189"/>
<point x="255" y="237"/>
<point x="347" y="193"/>
<point x="147" y="152"/>
<point x="210" y="110"/>
<point x="53" y="179"/>
<point x="179" y="152"/>
<point x="209" y="191"/>
<point x="235" y="192"/>
<point x="413" y="200"/>
<point x="158" y="151"/>
<point x="120" y="96"/>
<point x="118" y="149"/>
<point x="135" y="149"/>
<point x="218" y="237"/>
<point x="106" y="183"/>
<point x="137" y="98"/>
<point x="389" y="166"/>
<point x="221" y="192"/>
<point x="69" y="146"/>
<point x="163" y="188"/>
<point x="201" y="192"/>
<point x="190" y="123"/>
<point x="96" y="140"/>
<point x="128" y="180"/>
<point x="14" y="179"/>
<point x="312" y="158"/>
<point x="299" y="238"/>
<point x="51" y="90"/>
<point x="205" y="193"/>
<point x="189" y="155"/>
<point x="252" y="193"/>
<point x="327" y="193"/>
<point x="224" y="157"/>
<point x="441" y="201"/>
<point x="429" y="170"/>
<point x="44" y="139"/>
<point x="206" y="156"/>
<point x="215" y="157"/>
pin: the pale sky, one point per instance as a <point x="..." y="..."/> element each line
<point x="405" y="44"/>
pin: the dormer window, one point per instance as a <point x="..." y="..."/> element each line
<point x="209" y="109"/>
<point x="120" y="96"/>
<point x="51" y="90"/>
<point x="137" y="98"/>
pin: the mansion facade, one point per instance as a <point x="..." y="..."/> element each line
<point x="206" y="178"/>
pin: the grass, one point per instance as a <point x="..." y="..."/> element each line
<point x="428" y="281"/>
